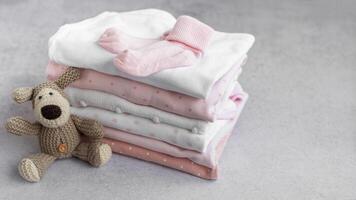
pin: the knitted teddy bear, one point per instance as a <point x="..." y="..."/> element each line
<point x="60" y="134"/>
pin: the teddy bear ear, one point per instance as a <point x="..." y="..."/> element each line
<point x="22" y="94"/>
<point x="69" y="76"/>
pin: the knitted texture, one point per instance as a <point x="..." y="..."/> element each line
<point x="51" y="108"/>
<point x="42" y="161"/>
<point x="69" y="76"/>
<point x="21" y="95"/>
<point x="115" y="41"/>
<point x="191" y="32"/>
<point x="180" y="48"/>
<point x="19" y="126"/>
<point x="58" y="133"/>
<point x="159" y="56"/>
<point x="96" y="154"/>
<point x="28" y="170"/>
<point x="89" y="127"/>
<point x="24" y="94"/>
<point x="60" y="141"/>
<point x="34" y="166"/>
<point x="48" y="84"/>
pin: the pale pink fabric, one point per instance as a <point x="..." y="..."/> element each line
<point x="209" y="158"/>
<point x="204" y="165"/>
<point x="116" y="41"/>
<point x="239" y="99"/>
<point x="181" y="48"/>
<point x="182" y="164"/>
<point x="143" y="94"/>
<point x="154" y="58"/>
<point x="191" y="33"/>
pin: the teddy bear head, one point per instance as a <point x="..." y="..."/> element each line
<point x="50" y="104"/>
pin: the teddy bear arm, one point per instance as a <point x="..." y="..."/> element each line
<point x="20" y="126"/>
<point x="89" y="127"/>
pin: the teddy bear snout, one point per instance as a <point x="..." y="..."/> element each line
<point x="51" y="112"/>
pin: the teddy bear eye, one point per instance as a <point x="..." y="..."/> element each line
<point x="40" y="97"/>
<point x="50" y="93"/>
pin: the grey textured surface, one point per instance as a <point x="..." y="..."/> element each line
<point x="296" y="139"/>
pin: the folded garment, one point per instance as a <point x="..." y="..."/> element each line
<point x="209" y="158"/>
<point x="182" y="164"/>
<point x="143" y="94"/>
<point x="144" y="127"/>
<point x="76" y="45"/>
<point x="83" y="98"/>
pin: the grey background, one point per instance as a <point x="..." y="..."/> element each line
<point x="296" y="139"/>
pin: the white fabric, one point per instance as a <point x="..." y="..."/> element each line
<point x="83" y="98"/>
<point x="144" y="127"/>
<point x="208" y="158"/>
<point x="76" y="45"/>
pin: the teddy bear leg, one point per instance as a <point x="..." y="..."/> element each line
<point x="96" y="153"/>
<point x="33" y="167"/>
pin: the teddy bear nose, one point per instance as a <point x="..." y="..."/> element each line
<point x="51" y="111"/>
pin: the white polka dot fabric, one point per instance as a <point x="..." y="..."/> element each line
<point x="145" y="127"/>
<point x="83" y="98"/>
<point x="208" y="158"/>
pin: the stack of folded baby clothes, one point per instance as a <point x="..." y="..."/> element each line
<point x="165" y="89"/>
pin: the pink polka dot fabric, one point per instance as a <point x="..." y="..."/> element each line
<point x="181" y="164"/>
<point x="143" y="94"/>
<point x="209" y="158"/>
<point x="203" y="165"/>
